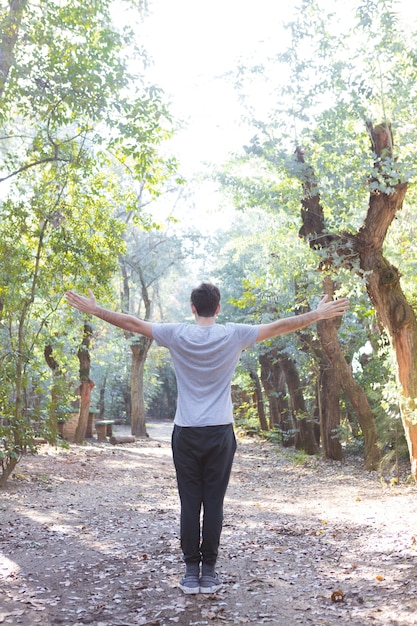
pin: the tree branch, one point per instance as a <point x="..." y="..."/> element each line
<point x="33" y="164"/>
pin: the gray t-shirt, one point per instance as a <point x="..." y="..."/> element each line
<point x="205" y="358"/>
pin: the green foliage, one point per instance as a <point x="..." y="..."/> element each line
<point x="110" y="372"/>
<point x="247" y="419"/>
<point x="400" y="248"/>
<point x="301" y="459"/>
<point x="161" y="387"/>
<point x="80" y="136"/>
<point x="346" y="67"/>
<point x="72" y="98"/>
<point x="16" y="439"/>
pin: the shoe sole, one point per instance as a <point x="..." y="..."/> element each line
<point x="190" y="590"/>
<point x="211" y="589"/>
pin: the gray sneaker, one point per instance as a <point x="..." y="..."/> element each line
<point x="210" y="584"/>
<point x="189" y="583"/>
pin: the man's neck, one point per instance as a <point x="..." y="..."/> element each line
<point x="205" y="321"/>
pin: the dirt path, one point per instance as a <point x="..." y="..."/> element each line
<point x="89" y="535"/>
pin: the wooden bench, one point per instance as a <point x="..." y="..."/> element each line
<point x="104" y="429"/>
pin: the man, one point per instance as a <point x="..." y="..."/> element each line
<point x="205" y="356"/>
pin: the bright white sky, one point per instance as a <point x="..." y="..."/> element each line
<point x="192" y="44"/>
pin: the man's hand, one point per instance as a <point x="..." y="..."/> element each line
<point x="121" y="320"/>
<point x="325" y="310"/>
<point x="333" y="308"/>
<point x="82" y="303"/>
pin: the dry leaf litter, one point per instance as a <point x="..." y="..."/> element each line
<point x="89" y="535"/>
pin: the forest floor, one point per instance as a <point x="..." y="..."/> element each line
<point x="89" y="535"/>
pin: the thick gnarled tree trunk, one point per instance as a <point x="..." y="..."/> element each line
<point x="330" y="412"/>
<point x="327" y="331"/>
<point x="382" y="278"/>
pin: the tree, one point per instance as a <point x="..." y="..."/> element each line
<point x="86" y="384"/>
<point x="9" y="30"/>
<point x="67" y="70"/>
<point x="330" y="364"/>
<point x="273" y="381"/>
<point x="152" y="255"/>
<point x="56" y="392"/>
<point x="382" y="278"/>
<point x="259" y="399"/>
<point x="361" y="251"/>
<point x="261" y="274"/>
<point x="45" y="243"/>
<point x="336" y="362"/>
<point x="338" y="86"/>
<point x="139" y="346"/>
<point x="73" y="122"/>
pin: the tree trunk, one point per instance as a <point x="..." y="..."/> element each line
<point x="139" y="347"/>
<point x="268" y="379"/>
<point x="119" y="439"/>
<point x="9" y="30"/>
<point x="127" y="399"/>
<point x="139" y="350"/>
<point x="330" y="414"/>
<point x="334" y="365"/>
<point x="329" y="389"/>
<point x="304" y="438"/>
<point x="56" y="376"/>
<point x="86" y="384"/>
<point x="382" y="278"/>
<point x="327" y="332"/>
<point x="101" y="403"/>
<point x="8" y="468"/>
<point x="273" y="380"/>
<point x="259" y="400"/>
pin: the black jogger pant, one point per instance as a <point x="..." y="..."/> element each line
<point x="203" y="458"/>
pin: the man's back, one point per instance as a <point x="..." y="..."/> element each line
<point x="205" y="358"/>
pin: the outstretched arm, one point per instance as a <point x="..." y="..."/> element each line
<point x="122" y="320"/>
<point x="325" y="310"/>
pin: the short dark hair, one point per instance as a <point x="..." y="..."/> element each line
<point x="206" y="298"/>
